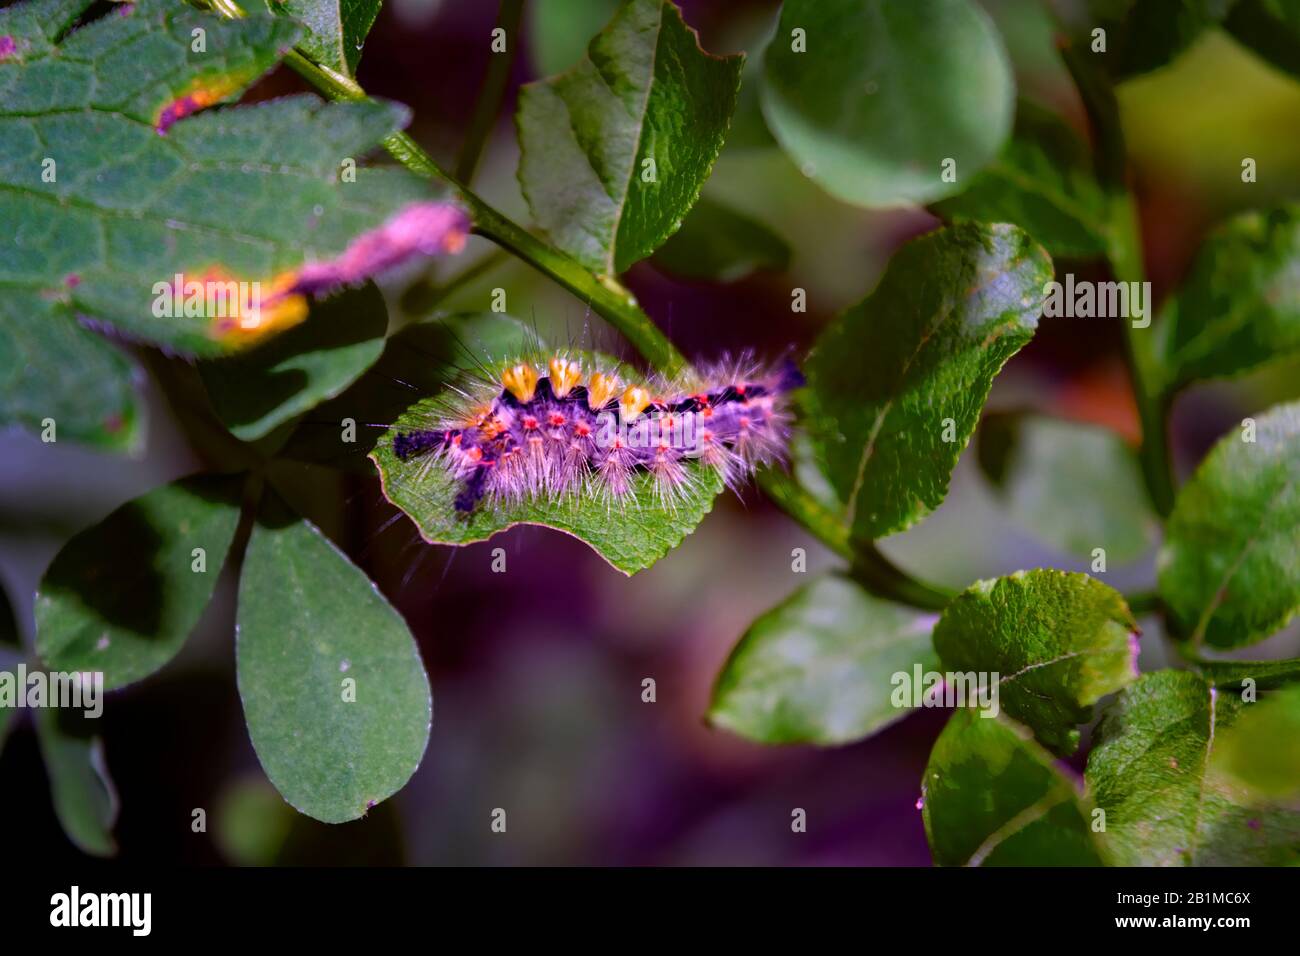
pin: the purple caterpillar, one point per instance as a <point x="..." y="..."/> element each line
<point x="534" y="435"/>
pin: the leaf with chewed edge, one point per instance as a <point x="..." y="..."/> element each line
<point x="631" y="534"/>
<point x="335" y="694"/>
<point x="613" y="152"/>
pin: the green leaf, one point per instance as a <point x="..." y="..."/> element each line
<point x="558" y="30"/>
<point x="646" y="103"/>
<point x="51" y="369"/>
<point x="1043" y="182"/>
<point x="631" y="534"/>
<point x="1240" y="305"/>
<point x="244" y="194"/>
<point x="309" y="623"/>
<point x="818" y="668"/>
<point x="122" y="596"/>
<point x="897" y="382"/>
<point x="421" y="360"/>
<point x="1231" y="674"/>
<point x="336" y="29"/>
<point x="1058" y="641"/>
<point x="718" y="243"/>
<point x="1262" y="747"/>
<point x="886" y="93"/>
<point x="1269" y="27"/>
<point x="1075" y="486"/>
<point x="1151" y="771"/>
<point x="1230" y="569"/>
<point x="256" y="392"/>
<point x="85" y="799"/>
<point x="1142" y="35"/>
<point x="993" y="797"/>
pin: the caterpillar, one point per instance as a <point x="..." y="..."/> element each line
<point x="541" y="430"/>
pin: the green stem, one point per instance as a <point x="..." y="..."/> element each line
<point x="867" y="565"/>
<point x="494" y="87"/>
<point x="1125" y="255"/>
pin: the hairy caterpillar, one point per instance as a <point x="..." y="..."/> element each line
<point x="545" y="430"/>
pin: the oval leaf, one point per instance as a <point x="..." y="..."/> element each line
<point x="84" y="797"/>
<point x="122" y="596"/>
<point x="819" y="667"/>
<point x="1230" y="568"/>
<point x="1075" y="486"/>
<point x="1150" y="771"/>
<point x="991" y="796"/>
<point x="896" y="383"/>
<point x="614" y="152"/>
<point x="1058" y="642"/>
<point x="1240" y="306"/>
<point x="871" y="98"/>
<point x="334" y="692"/>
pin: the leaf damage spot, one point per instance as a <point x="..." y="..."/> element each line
<point x="421" y="228"/>
<point x="203" y="92"/>
<point x="237" y="310"/>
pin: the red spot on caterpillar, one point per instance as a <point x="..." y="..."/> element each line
<point x="422" y="228"/>
<point x="8" y="47"/>
<point x="72" y="280"/>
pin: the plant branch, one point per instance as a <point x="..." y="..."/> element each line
<point x="1125" y="254"/>
<point x="494" y="87"/>
<point x="609" y="299"/>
